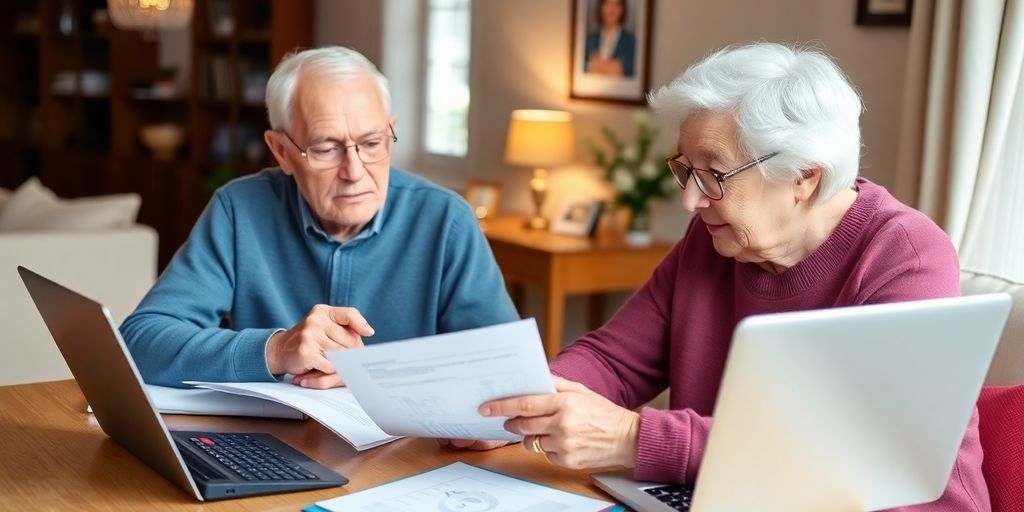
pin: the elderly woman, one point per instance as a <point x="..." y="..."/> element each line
<point x="768" y="147"/>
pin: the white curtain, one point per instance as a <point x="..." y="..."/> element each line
<point x="963" y="128"/>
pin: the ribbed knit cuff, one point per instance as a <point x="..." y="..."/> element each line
<point x="663" y="450"/>
<point x="250" y="355"/>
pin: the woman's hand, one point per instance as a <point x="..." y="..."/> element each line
<point x="575" y="427"/>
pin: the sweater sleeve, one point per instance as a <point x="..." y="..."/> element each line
<point x="472" y="289"/>
<point x="175" y="333"/>
<point x="929" y="269"/>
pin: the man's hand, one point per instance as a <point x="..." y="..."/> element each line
<point x="300" y="350"/>
<point x="471" y="444"/>
<point x="577" y="428"/>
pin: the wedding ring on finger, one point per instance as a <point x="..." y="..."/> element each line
<point x="536" y="447"/>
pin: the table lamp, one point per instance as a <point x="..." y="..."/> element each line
<point x="539" y="139"/>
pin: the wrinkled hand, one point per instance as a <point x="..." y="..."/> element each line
<point x="471" y="444"/>
<point x="300" y="350"/>
<point x="577" y="427"/>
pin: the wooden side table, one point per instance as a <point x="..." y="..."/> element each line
<point x="562" y="265"/>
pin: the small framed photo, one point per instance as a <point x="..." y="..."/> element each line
<point x="577" y="216"/>
<point x="610" y="50"/>
<point x="483" y="197"/>
<point x="884" y="12"/>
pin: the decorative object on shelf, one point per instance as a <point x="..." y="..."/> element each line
<point x="483" y="197"/>
<point x="636" y="175"/>
<point x="163" y="139"/>
<point x="150" y="15"/>
<point x="539" y="139"/>
<point x="100" y="20"/>
<point x="577" y="216"/>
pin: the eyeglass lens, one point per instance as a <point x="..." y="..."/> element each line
<point x="327" y="155"/>
<point x="706" y="181"/>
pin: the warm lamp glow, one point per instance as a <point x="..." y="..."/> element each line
<point x="538" y="139"/>
<point x="148" y="15"/>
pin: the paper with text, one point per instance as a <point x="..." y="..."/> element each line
<point x="461" y="487"/>
<point x="334" y="408"/>
<point x="208" y="402"/>
<point x="433" y="386"/>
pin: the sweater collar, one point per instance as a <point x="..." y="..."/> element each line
<point x="825" y="259"/>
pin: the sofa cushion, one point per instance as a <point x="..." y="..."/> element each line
<point x="33" y="207"/>
<point x="1008" y="364"/>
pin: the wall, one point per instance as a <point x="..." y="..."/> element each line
<point x="357" y="24"/>
<point x="521" y="57"/>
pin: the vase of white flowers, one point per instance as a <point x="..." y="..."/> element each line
<point x="636" y="175"/>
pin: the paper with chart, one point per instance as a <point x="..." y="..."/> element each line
<point x="433" y="386"/>
<point x="461" y="487"/>
<point x="334" y="408"/>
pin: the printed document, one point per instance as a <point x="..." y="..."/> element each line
<point x="334" y="408"/>
<point x="204" y="401"/>
<point x="461" y="487"/>
<point x="434" y="385"/>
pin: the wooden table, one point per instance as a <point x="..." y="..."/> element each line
<point x="563" y="265"/>
<point x="55" y="457"/>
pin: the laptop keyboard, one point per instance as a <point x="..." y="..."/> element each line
<point x="251" y="458"/>
<point x="676" y="496"/>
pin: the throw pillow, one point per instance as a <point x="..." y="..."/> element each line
<point x="33" y="207"/>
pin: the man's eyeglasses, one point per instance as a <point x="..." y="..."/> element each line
<point x="329" y="155"/>
<point x="708" y="181"/>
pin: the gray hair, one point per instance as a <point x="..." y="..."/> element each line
<point x="791" y="100"/>
<point x="335" y="61"/>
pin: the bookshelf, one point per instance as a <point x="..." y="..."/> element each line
<point x="76" y="92"/>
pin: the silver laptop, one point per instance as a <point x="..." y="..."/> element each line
<point x="209" y="465"/>
<point x="858" y="408"/>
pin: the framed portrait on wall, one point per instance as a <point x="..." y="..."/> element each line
<point x="884" y="12"/>
<point x="610" y="50"/>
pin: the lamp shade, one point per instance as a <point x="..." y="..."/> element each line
<point x="150" y="14"/>
<point x="540" y="138"/>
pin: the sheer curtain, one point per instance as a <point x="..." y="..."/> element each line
<point x="963" y="128"/>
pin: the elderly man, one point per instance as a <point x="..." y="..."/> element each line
<point x="331" y="248"/>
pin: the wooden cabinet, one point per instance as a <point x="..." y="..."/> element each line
<point x="75" y="93"/>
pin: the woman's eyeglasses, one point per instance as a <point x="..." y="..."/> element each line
<point x="708" y="181"/>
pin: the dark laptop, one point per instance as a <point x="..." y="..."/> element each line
<point x="210" y="465"/>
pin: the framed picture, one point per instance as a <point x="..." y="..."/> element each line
<point x="611" y="41"/>
<point x="483" y="197"/>
<point x="884" y="12"/>
<point x="577" y="216"/>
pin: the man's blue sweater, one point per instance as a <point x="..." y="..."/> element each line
<point x="257" y="261"/>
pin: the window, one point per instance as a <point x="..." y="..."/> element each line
<point x="446" y="101"/>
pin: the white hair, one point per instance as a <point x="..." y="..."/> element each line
<point x="794" y="101"/>
<point x="334" y="61"/>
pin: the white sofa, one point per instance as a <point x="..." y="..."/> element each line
<point x="1008" y="364"/>
<point x="115" y="267"/>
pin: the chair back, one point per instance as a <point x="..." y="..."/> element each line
<point x="1001" y="404"/>
<point x="1001" y="430"/>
